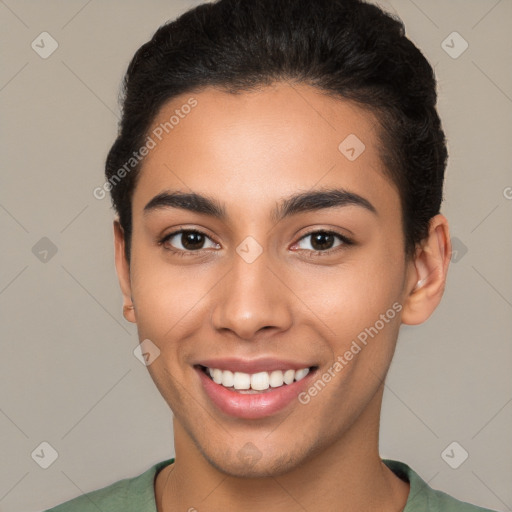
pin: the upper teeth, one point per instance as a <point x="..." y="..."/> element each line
<point x="257" y="381"/>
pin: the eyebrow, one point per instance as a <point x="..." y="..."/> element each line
<point x="298" y="203"/>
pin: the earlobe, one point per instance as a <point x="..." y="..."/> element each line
<point x="428" y="273"/>
<point x="129" y="312"/>
<point x="123" y="272"/>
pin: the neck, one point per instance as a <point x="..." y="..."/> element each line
<point x="348" y="475"/>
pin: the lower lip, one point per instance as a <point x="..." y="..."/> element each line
<point x="256" y="405"/>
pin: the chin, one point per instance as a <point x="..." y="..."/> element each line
<point x="249" y="462"/>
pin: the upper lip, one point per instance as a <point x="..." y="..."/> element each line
<point x="264" y="364"/>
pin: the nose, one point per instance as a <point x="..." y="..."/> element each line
<point x="252" y="297"/>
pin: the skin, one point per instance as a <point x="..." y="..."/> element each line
<point x="249" y="151"/>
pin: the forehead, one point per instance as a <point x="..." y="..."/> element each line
<point x="263" y="144"/>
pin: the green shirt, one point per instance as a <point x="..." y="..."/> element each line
<point x="138" y="494"/>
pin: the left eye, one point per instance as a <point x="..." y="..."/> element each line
<point x="323" y="240"/>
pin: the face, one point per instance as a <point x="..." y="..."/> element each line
<point x="265" y="279"/>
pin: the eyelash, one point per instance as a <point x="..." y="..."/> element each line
<point x="313" y="254"/>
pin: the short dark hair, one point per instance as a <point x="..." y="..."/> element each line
<point x="349" y="49"/>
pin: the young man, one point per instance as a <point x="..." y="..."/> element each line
<point x="278" y="180"/>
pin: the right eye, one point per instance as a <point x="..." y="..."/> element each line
<point x="187" y="241"/>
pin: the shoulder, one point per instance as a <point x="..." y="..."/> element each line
<point x="130" y="494"/>
<point x="422" y="498"/>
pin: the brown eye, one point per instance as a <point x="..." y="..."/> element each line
<point x="191" y="240"/>
<point x="187" y="240"/>
<point x="324" y="241"/>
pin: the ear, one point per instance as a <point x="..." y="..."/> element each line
<point x="427" y="274"/>
<point x="123" y="272"/>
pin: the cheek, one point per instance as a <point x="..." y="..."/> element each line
<point x="359" y="307"/>
<point x="359" y="312"/>
<point x="168" y="298"/>
<point x="350" y="297"/>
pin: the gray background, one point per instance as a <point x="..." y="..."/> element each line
<point x="68" y="375"/>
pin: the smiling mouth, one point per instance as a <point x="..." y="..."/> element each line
<point x="261" y="382"/>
